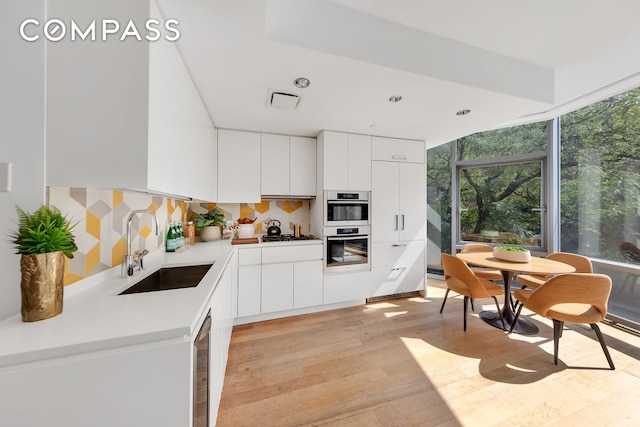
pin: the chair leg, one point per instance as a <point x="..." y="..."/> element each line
<point x="504" y="328"/>
<point x="596" y="328"/>
<point x="557" y="333"/>
<point x="472" y="307"/>
<point x="466" y="303"/>
<point x="446" y="294"/>
<point x="515" y="319"/>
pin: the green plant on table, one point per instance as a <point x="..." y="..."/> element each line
<point x="511" y="248"/>
<point x="43" y="231"/>
<point x="213" y="217"/>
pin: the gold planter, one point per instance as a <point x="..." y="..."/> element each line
<point x="42" y="285"/>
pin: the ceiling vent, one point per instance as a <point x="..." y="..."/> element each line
<point x="283" y="100"/>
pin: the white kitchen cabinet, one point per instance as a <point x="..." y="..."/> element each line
<point x="239" y="157"/>
<point x="307" y="284"/>
<point x="138" y="123"/>
<point x="302" y="166"/>
<point x="279" y="278"/>
<point x="277" y="287"/>
<point x="398" y="205"/>
<point x="249" y="282"/>
<point x="346" y="161"/>
<point x="346" y="287"/>
<point x="249" y="288"/>
<point x="397" y="150"/>
<point x="222" y="316"/>
<point x="288" y="166"/>
<point x="398" y="227"/>
<point x="275" y="161"/>
<point x="397" y="267"/>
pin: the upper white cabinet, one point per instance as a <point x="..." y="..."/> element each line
<point x="275" y="154"/>
<point x="346" y="161"/>
<point x="288" y="166"/>
<point x="127" y="114"/>
<point x="398" y="202"/>
<point x="397" y="150"/>
<point x="302" y="166"/>
<point x="238" y="166"/>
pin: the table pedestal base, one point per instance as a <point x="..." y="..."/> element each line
<point x="523" y="326"/>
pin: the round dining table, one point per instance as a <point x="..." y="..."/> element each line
<point x="539" y="266"/>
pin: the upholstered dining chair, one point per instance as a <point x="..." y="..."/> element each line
<point x="463" y="281"/>
<point x="581" y="263"/>
<point x="482" y="272"/>
<point x="570" y="297"/>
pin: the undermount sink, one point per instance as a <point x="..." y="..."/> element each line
<point x="166" y="278"/>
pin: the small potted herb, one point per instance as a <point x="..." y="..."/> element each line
<point x="209" y="224"/>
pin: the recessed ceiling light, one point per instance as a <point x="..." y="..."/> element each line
<point x="302" y="82"/>
<point x="395" y="98"/>
<point x="463" y="112"/>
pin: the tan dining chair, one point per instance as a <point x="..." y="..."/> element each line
<point x="482" y="272"/>
<point x="460" y="279"/>
<point x="570" y="297"/>
<point x="581" y="263"/>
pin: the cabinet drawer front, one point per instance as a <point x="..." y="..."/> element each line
<point x="394" y="280"/>
<point x="291" y="253"/>
<point x="346" y="287"/>
<point x="400" y="254"/>
<point x="250" y="256"/>
<point x="397" y="150"/>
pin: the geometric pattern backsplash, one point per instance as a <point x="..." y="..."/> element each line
<point x="102" y="220"/>
<point x="102" y="225"/>
<point x="288" y="212"/>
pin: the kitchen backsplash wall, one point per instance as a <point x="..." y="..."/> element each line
<point x="102" y="222"/>
<point x="288" y="212"/>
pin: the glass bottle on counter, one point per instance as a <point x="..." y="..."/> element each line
<point x="179" y="236"/>
<point x="171" y="241"/>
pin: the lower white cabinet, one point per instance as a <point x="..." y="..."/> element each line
<point x="249" y="289"/>
<point x="346" y="287"/>
<point x="277" y="287"/>
<point x="397" y="267"/>
<point x="279" y="278"/>
<point x="307" y="284"/>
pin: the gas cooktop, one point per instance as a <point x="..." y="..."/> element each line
<point x="288" y="238"/>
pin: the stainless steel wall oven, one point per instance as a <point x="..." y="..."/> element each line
<point x="347" y="249"/>
<point x="343" y="208"/>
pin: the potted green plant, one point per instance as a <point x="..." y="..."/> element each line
<point x="43" y="239"/>
<point x="209" y="224"/>
<point x="512" y="253"/>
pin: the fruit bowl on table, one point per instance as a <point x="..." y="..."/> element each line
<point x="512" y="253"/>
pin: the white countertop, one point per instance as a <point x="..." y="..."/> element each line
<point x="95" y="317"/>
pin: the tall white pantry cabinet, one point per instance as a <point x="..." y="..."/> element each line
<point x="398" y="220"/>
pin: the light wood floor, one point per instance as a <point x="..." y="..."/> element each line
<point x="402" y="363"/>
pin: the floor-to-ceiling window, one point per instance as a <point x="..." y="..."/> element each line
<point x="600" y="193"/>
<point x="498" y="191"/>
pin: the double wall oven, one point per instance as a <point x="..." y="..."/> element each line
<point x="347" y="231"/>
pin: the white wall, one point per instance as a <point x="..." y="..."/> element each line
<point x="21" y="135"/>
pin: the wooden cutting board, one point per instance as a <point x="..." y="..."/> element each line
<point x="238" y="241"/>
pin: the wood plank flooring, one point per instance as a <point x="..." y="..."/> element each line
<point x="402" y="363"/>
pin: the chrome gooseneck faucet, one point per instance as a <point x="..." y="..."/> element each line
<point x="128" y="263"/>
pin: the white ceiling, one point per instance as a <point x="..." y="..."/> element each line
<point x="507" y="61"/>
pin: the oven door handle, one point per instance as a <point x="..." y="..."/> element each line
<point x="334" y="238"/>
<point x="348" y="202"/>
